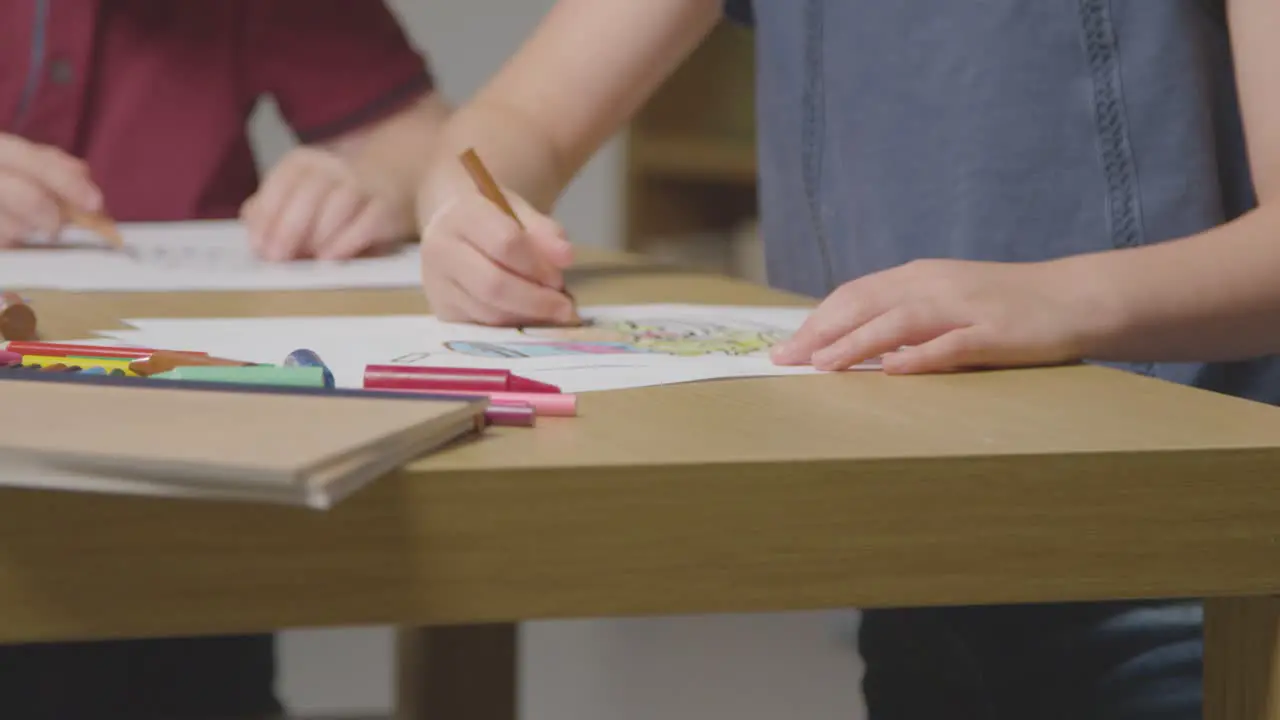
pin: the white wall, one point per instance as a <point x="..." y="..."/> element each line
<point x="740" y="667"/>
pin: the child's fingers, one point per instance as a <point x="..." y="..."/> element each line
<point x="497" y="295"/>
<point x="338" y="213"/>
<point x="291" y="228"/>
<point x="11" y="232"/>
<point x="515" y="300"/>
<point x="502" y="240"/>
<point x="27" y="205"/>
<point x="548" y="235"/>
<point x="61" y="174"/>
<point x="370" y="227"/>
<point x="263" y="209"/>
<point x="952" y="351"/>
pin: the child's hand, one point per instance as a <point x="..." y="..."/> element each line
<point x="35" y="182"/>
<point x="947" y="315"/>
<point x="312" y="204"/>
<point x="479" y="266"/>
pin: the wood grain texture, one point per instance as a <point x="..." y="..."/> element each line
<point x="1242" y="669"/>
<point x="832" y="491"/>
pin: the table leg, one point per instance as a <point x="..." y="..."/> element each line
<point x="1242" y="672"/>
<point x="457" y="673"/>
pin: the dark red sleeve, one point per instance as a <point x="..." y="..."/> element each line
<point x="332" y="65"/>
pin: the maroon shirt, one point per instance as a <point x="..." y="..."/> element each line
<point x="156" y="94"/>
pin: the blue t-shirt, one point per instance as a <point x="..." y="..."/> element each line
<point x="1002" y="130"/>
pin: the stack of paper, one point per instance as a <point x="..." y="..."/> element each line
<point x="619" y="346"/>
<point x="132" y="436"/>
<point x="190" y="256"/>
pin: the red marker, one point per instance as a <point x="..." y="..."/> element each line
<point x="49" y="349"/>
<point x="416" y="377"/>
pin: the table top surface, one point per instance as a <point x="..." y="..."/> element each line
<point x="766" y="494"/>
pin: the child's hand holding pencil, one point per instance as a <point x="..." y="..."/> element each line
<point x="488" y="257"/>
<point x="43" y="190"/>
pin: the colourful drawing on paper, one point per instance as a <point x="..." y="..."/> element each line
<point x="680" y="338"/>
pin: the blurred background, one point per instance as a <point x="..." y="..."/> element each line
<point x="678" y="185"/>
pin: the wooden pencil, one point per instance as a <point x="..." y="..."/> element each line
<point x="486" y="184"/>
<point x="489" y="188"/>
<point x="98" y="223"/>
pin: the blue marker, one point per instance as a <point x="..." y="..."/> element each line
<point x="308" y="358"/>
<point x="94" y="371"/>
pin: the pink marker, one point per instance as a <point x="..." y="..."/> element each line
<point x="476" y="380"/>
<point x="545" y="404"/>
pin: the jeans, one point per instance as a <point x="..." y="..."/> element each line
<point x="1094" y="661"/>
<point x="207" y="678"/>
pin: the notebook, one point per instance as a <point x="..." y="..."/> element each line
<point x="308" y="449"/>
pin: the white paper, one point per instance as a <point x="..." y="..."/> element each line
<point x="620" y="346"/>
<point x="190" y="256"/>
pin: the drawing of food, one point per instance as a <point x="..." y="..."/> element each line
<point x="682" y="338"/>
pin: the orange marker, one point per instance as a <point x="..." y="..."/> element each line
<point x="163" y="361"/>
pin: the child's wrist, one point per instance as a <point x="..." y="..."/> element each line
<point x="1097" y="290"/>
<point x="443" y="181"/>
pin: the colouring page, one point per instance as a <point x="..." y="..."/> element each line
<point x="194" y="256"/>
<point x="617" y="347"/>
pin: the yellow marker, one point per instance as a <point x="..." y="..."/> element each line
<point x="107" y="364"/>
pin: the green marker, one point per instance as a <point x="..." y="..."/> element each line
<point x="249" y="375"/>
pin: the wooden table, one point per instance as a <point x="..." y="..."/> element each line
<point x="851" y="490"/>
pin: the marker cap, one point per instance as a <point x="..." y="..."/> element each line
<point x="17" y="319"/>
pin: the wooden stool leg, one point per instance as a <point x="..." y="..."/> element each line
<point x="1241" y="672"/>
<point x="457" y="673"/>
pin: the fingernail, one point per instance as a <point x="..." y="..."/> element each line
<point x="782" y="353"/>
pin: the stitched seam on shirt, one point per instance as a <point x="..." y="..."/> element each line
<point x="1123" y="209"/>
<point x="35" y="65"/>
<point x="1118" y="166"/>
<point x="813" y="130"/>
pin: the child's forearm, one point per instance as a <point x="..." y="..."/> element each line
<point x="390" y="156"/>
<point x="515" y="149"/>
<point x="582" y="75"/>
<point x="1215" y="295"/>
<point x="1211" y="297"/>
